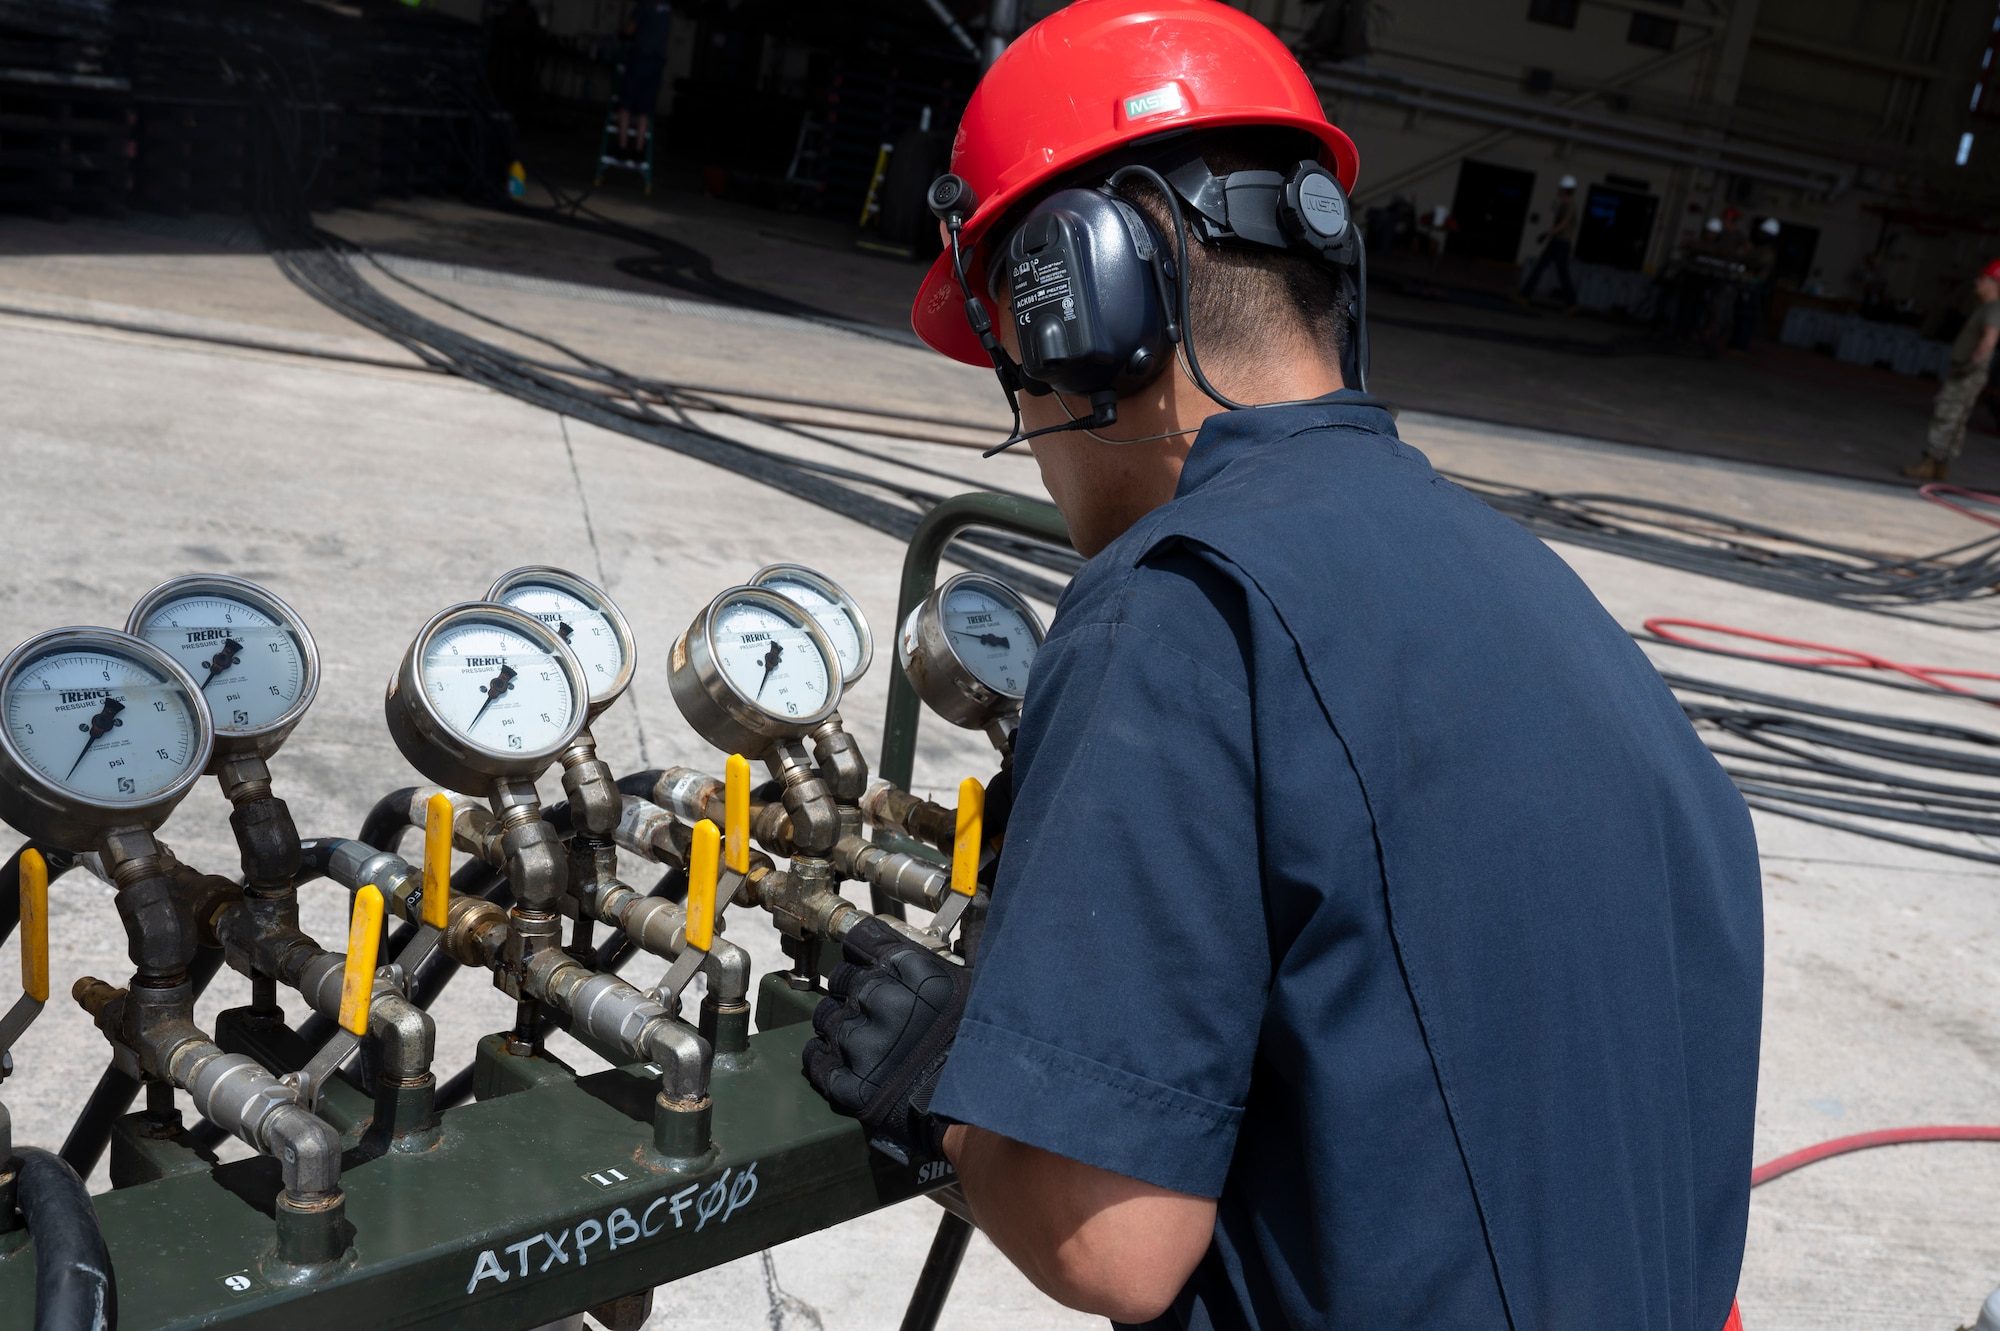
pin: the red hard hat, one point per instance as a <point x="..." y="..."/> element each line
<point x="1094" y="76"/>
<point x="1991" y="270"/>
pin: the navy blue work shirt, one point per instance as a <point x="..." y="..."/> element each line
<point x="1362" y="874"/>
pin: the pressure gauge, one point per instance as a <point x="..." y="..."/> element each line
<point x="831" y="608"/>
<point x="98" y="730"/>
<point x="485" y="692"/>
<point x="584" y="618"/>
<point x="250" y="655"/>
<point x="967" y="649"/>
<point x="754" y="667"/>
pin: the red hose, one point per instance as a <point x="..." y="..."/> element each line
<point x="1862" y="1141"/>
<point x="1938" y="677"/>
<point x="1936" y="492"/>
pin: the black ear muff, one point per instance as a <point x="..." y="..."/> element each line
<point x="1315" y="215"/>
<point x="1085" y="297"/>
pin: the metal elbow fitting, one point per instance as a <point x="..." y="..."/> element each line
<point x="591" y="787"/>
<point x="815" y="817"/>
<point x="406" y="1036"/>
<point x="238" y="1095"/>
<point x="728" y="970"/>
<point x="840" y="762"/>
<point x="611" y="1012"/>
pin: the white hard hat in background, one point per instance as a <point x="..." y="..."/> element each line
<point x="1567" y="182"/>
<point x="1713" y="224"/>
<point x="1770" y="226"/>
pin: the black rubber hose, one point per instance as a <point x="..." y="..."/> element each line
<point x="74" y="1288"/>
<point x="115" y="1090"/>
<point x="640" y="783"/>
<point x="385" y="824"/>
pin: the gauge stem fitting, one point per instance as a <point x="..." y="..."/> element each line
<point x="841" y="764"/>
<point x="265" y="833"/>
<point x="815" y="817"/>
<point x="160" y="936"/>
<point x="590" y="785"/>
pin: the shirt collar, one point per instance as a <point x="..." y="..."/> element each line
<point x="1226" y="435"/>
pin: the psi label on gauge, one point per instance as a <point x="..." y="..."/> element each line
<point x="102" y="726"/>
<point x="250" y="668"/>
<point x="496" y="688"/>
<point x="772" y="662"/>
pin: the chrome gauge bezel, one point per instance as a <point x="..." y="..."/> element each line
<point x="713" y="705"/>
<point x="594" y="596"/>
<point x="834" y="592"/>
<point x="932" y="665"/>
<point x="262" y="741"/>
<point x="434" y="747"/>
<point x="48" y="812"/>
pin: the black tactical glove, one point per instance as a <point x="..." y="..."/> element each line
<point x="884" y="1036"/>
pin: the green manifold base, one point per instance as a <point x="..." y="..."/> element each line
<point x="540" y="1201"/>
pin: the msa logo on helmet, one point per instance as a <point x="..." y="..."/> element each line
<point x="1153" y="102"/>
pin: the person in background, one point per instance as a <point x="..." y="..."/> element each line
<point x="1555" y="244"/>
<point x="646" y="30"/>
<point x="1971" y="356"/>
<point x="1753" y="294"/>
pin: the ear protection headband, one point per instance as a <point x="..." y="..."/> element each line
<point x="1099" y="300"/>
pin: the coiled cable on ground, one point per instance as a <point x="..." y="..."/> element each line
<point x="1769" y="558"/>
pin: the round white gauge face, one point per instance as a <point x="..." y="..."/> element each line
<point x="586" y="629"/>
<point x="251" y="667"/>
<point x="992" y="635"/>
<point x="105" y="727"/>
<point x="770" y="658"/>
<point x="833" y="618"/>
<point x="496" y="687"/>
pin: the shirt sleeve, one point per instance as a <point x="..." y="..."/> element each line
<point x="1121" y="980"/>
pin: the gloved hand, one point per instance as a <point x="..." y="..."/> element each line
<point x="884" y="1036"/>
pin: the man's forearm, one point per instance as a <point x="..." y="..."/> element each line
<point x="1095" y="1241"/>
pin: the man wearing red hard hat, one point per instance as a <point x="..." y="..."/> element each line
<point x="1374" y="943"/>
<point x="1964" y="381"/>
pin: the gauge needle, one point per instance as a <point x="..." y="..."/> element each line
<point x="564" y="631"/>
<point x="222" y="660"/>
<point x="100" y="726"/>
<point x="771" y="659"/>
<point x="497" y="686"/>
<point x="984" y="639"/>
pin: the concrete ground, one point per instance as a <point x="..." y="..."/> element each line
<point x="370" y="496"/>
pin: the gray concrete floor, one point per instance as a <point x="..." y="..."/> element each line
<point x="371" y="496"/>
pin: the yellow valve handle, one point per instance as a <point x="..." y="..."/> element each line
<point x="364" y="935"/>
<point x="437" y="861"/>
<point x="35" y="925"/>
<point x="736" y="813"/>
<point x="702" y="857"/>
<point x="965" y="846"/>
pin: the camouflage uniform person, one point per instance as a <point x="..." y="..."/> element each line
<point x="1971" y="355"/>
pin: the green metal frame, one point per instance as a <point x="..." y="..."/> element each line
<point x="473" y="1231"/>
